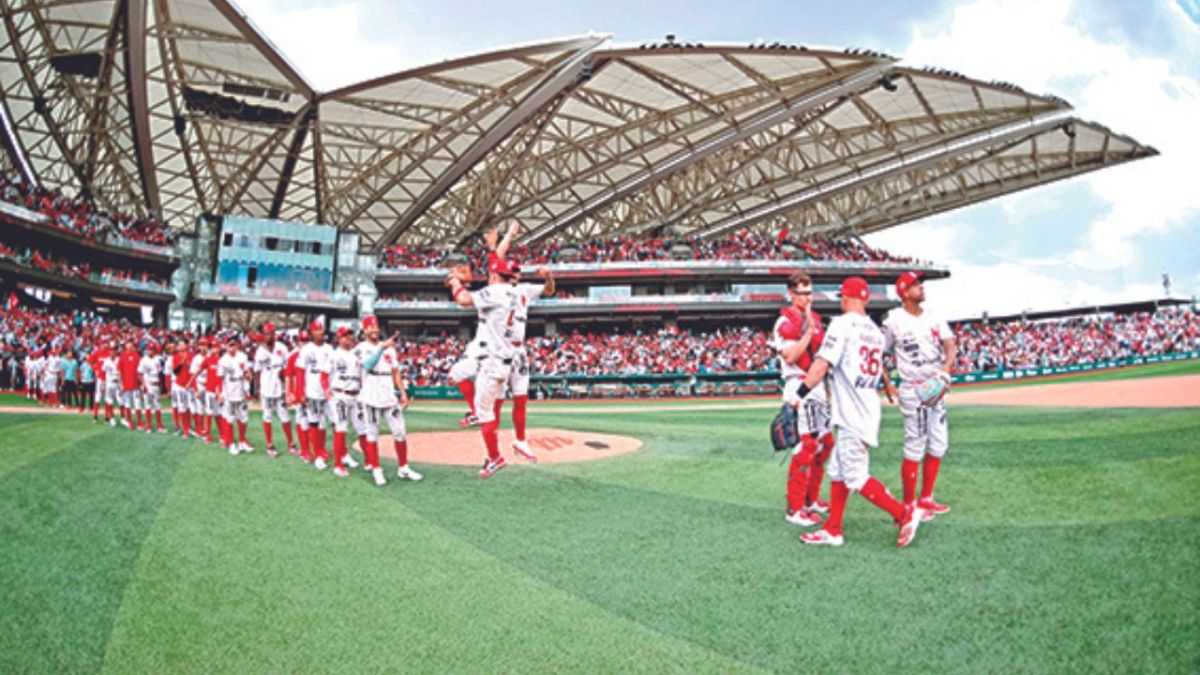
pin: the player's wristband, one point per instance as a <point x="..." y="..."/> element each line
<point x="804" y="390"/>
<point x="458" y="290"/>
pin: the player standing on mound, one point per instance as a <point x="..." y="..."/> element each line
<point x="464" y="371"/>
<point x="925" y="350"/>
<point x="797" y="337"/>
<point x="379" y="402"/>
<point x="852" y="357"/>
<point x="269" y="359"/>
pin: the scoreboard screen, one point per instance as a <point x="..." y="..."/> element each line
<point x="259" y="254"/>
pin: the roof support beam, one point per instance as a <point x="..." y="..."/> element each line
<point x="846" y="86"/>
<point x="563" y="77"/>
<point x="139" y="107"/>
<point x="925" y="156"/>
<point x="289" y="162"/>
<point x="12" y="145"/>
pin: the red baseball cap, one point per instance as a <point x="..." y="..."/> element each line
<point x="504" y="267"/>
<point x="370" y="322"/>
<point x="302" y="336"/>
<point x="316" y="326"/>
<point x="268" y="328"/>
<point x="344" y="331"/>
<point x="906" y="280"/>
<point x="856" y="287"/>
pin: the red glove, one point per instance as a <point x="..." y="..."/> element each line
<point x="788" y="330"/>
<point x="795" y="324"/>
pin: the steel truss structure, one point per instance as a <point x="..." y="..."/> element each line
<point x="184" y="107"/>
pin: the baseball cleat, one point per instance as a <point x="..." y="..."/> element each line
<point x="341" y="472"/>
<point x="369" y="468"/>
<point x="112" y="423"/>
<point x="380" y="480"/>
<point x="293" y="450"/>
<point x="163" y="431"/>
<point x="245" y="447"/>
<point x="272" y="452"/>
<point x="822" y="537"/>
<point x="148" y="430"/>
<point x="909" y="521"/>
<point x="320" y="464"/>
<point x="468" y="420"/>
<point x="932" y="507"/>
<point x="804" y="518"/>
<point x="350" y="461"/>
<point x="490" y="467"/>
<point x="522" y="449"/>
<point x="819" y="506"/>
<point x="408" y="473"/>
<point x="233" y="448"/>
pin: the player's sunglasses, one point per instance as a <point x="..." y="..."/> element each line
<point x="796" y="291"/>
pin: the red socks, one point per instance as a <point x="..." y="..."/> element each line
<point x="877" y="493"/>
<point x="287" y="432"/>
<point x="241" y="432"/>
<point x="305" y="452"/>
<point x="929" y="475"/>
<point x="838" y="494"/>
<point x="491" y="438"/>
<point x="497" y="408"/>
<point x="467" y="388"/>
<point x="908" y="479"/>
<point x="798" y="476"/>
<point x="520" y="409"/>
<point x="267" y="434"/>
<point x="158" y="419"/>
<point x="339" y="448"/>
<point x="370" y="451"/>
<point x="401" y="453"/>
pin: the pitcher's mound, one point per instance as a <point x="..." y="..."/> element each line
<point x="552" y="446"/>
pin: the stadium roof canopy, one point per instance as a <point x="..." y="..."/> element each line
<point x="184" y="106"/>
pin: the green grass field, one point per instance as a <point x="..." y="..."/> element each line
<point x="1074" y="546"/>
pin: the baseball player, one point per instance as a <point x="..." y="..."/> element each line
<point x="797" y="338"/>
<point x="51" y="371"/>
<point x="293" y="376"/>
<point x="234" y="370"/>
<point x="463" y="373"/>
<point x="201" y="425"/>
<point x="497" y="305"/>
<point x="212" y="392"/>
<point x="378" y="402"/>
<point x="925" y="348"/>
<point x="269" y="360"/>
<point x="181" y="380"/>
<point x="852" y="358"/>
<point x="127" y="365"/>
<point x="111" y="377"/>
<point x="518" y="379"/>
<point x="150" y="371"/>
<point x="343" y="372"/>
<point x="33" y="381"/>
<point x="314" y="362"/>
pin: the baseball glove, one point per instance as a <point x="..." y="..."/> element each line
<point x="932" y="390"/>
<point x="795" y="325"/>
<point x="462" y="273"/>
<point x="784" y="433"/>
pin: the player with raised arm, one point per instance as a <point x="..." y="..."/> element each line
<point x="384" y="398"/>
<point x="269" y="359"/>
<point x="518" y="379"/>
<point x="852" y="358"/>
<point x="797" y="338"/>
<point x="925" y="350"/>
<point x="464" y="371"/>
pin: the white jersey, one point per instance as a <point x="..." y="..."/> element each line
<point x="314" y="360"/>
<point x="199" y="374"/>
<point x="378" y="391"/>
<point x="50" y="368"/>
<point x="853" y="347"/>
<point x="150" y="368"/>
<point x="497" y="305"/>
<point x="345" y="371"/>
<point x="111" y="372"/>
<point x="527" y="294"/>
<point x="233" y="376"/>
<point x="269" y="363"/>
<point x="917" y="341"/>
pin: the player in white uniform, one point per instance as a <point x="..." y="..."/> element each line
<point x="269" y="360"/>
<point x="112" y="383"/>
<point x="314" y="361"/>
<point x="852" y="357"/>
<point x="378" y="402"/>
<point x="50" y="371"/>
<point x="201" y="424"/>
<point x="345" y="384"/>
<point x="33" y="380"/>
<point x="925" y="348"/>
<point x="518" y="379"/>
<point x="293" y="376"/>
<point x="797" y="337"/>
<point x="465" y="371"/>
<point x="234" y="369"/>
<point x="497" y="305"/>
<point x="150" y="373"/>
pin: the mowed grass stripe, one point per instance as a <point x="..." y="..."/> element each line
<point x="267" y="566"/>
<point x="27" y="439"/>
<point x="71" y="526"/>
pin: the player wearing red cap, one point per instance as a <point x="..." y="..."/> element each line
<point x="925" y="348"/>
<point x="212" y="389"/>
<point x="201" y="426"/>
<point x="851" y="356"/>
<point x="379" y="402"/>
<point x="293" y="376"/>
<point x="269" y="359"/>
<point x="127" y="368"/>
<point x="518" y="378"/>
<point x="96" y="360"/>
<point x="797" y="336"/>
<point x="112" y="383"/>
<point x="314" y="361"/>
<point x="150" y="373"/>
<point x="345" y="384"/>
<point x="234" y="369"/>
<point x="181" y="380"/>
<point x="51" y="374"/>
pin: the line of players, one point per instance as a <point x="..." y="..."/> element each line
<point x="357" y="384"/>
<point x="833" y="377"/>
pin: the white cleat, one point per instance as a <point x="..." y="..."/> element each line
<point x="522" y="449"/>
<point x="245" y="447"/>
<point x="233" y="449"/>
<point x="350" y="461"/>
<point x="112" y="423"/>
<point x="822" y="538"/>
<point x="341" y="472"/>
<point x="380" y="480"/>
<point x="803" y="518"/>
<point x="406" y="472"/>
<point x="320" y="464"/>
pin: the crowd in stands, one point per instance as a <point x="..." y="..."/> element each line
<point x="743" y="245"/>
<point x="1058" y="342"/>
<point x="81" y="216"/>
<point x="108" y="276"/>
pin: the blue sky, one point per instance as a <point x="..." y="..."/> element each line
<point x="1134" y="66"/>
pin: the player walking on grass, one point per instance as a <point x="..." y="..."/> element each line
<point x="269" y="359"/>
<point x="379" y="402"/>
<point x="851" y="357"/>
<point x="925" y="349"/>
<point x="797" y="338"/>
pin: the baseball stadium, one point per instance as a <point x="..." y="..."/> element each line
<point x="579" y="355"/>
